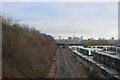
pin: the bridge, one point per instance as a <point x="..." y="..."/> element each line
<point x="68" y="44"/>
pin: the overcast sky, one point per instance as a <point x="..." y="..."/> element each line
<point x="87" y="19"/>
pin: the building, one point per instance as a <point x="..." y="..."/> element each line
<point x="103" y="64"/>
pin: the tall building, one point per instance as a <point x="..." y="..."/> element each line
<point x="69" y="40"/>
<point x="112" y="38"/>
<point x="81" y="37"/>
<point x="59" y="37"/>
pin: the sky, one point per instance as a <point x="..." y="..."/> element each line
<point x="87" y="19"/>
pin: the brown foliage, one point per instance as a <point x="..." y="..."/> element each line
<point x="94" y="42"/>
<point x="26" y="52"/>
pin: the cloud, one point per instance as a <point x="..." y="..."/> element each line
<point x="88" y="19"/>
<point x="60" y="0"/>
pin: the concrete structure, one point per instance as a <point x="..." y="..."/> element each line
<point x="103" y="64"/>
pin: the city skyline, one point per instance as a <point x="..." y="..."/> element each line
<point x="87" y="38"/>
<point x="89" y="19"/>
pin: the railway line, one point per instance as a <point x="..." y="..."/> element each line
<point x="72" y="67"/>
<point x="66" y="68"/>
<point x="60" y="71"/>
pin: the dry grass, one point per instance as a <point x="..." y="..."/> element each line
<point x="52" y="70"/>
<point x="95" y="42"/>
<point x="26" y="52"/>
<point x="82" y="70"/>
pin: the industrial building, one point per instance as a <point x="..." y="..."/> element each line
<point x="99" y="60"/>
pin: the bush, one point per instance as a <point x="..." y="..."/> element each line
<point x="26" y="52"/>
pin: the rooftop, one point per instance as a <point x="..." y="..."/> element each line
<point x="108" y="69"/>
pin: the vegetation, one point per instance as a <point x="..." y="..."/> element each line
<point x="26" y="52"/>
<point x="94" y="42"/>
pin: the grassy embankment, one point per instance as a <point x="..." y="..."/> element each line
<point x="26" y="53"/>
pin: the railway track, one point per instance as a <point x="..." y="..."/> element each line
<point x="61" y="72"/>
<point x="72" y="67"/>
<point x="66" y="68"/>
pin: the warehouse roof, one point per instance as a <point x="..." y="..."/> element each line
<point x="113" y="56"/>
<point x="109" y="70"/>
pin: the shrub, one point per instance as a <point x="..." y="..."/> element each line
<point x="26" y="52"/>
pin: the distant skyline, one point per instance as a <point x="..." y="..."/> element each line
<point x="87" y="19"/>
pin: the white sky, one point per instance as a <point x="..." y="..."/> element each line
<point x="88" y="19"/>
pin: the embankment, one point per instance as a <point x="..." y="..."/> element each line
<point x="26" y="53"/>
